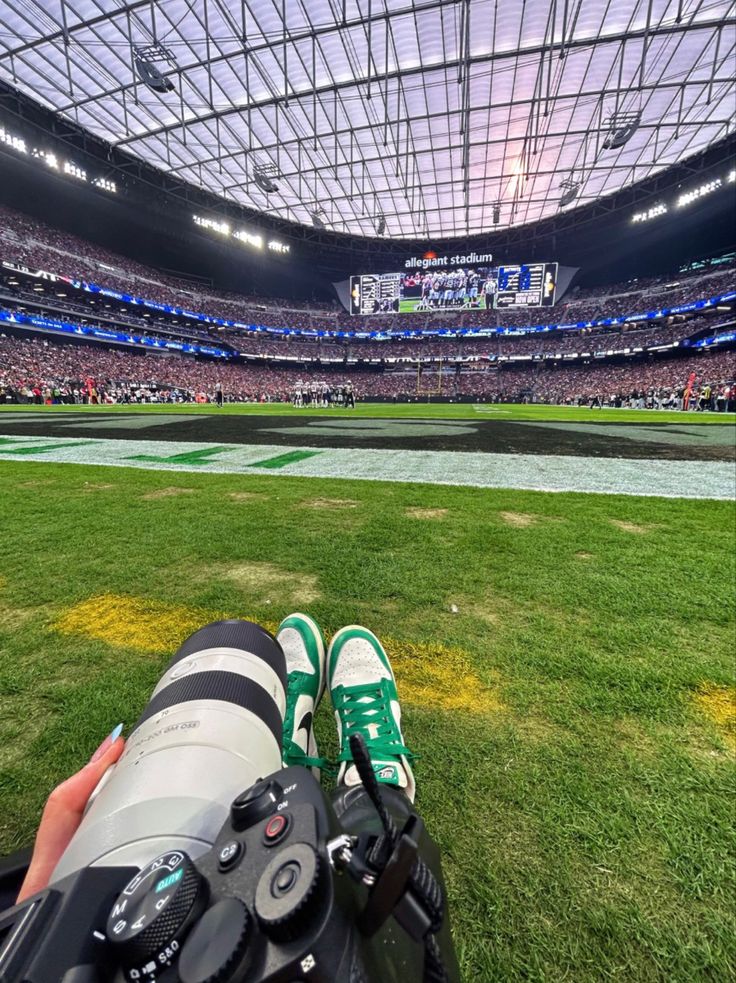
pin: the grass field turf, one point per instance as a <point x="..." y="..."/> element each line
<point x="418" y="410"/>
<point x="574" y="718"/>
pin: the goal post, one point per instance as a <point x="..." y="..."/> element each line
<point x="429" y="384"/>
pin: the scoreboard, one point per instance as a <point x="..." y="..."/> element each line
<point x="527" y="285"/>
<point x="375" y="293"/>
<point x="454" y="288"/>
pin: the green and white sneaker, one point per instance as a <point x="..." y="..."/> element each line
<point x="363" y="691"/>
<point x="304" y="647"/>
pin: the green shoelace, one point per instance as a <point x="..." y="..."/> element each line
<point x="368" y="709"/>
<point x="292" y="754"/>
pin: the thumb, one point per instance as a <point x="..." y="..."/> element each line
<point x="63" y="813"/>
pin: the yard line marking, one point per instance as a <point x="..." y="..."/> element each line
<point x="188" y="457"/>
<point x="36" y="448"/>
<point x="283" y="460"/>
<point x="530" y="472"/>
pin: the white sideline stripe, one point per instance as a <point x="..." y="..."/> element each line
<point x="532" y="472"/>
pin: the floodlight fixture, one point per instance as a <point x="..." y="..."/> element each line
<point x="570" y="187"/>
<point x="621" y="128"/>
<point x="144" y="60"/>
<point x="263" y="175"/>
<point x="381" y="225"/>
<point x="497" y="213"/>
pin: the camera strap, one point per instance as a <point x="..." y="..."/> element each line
<point x="404" y="887"/>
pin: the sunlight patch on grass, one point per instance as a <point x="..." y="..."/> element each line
<point x="331" y="503"/>
<point x="417" y="513"/>
<point x="438" y="675"/>
<point x="521" y="520"/>
<point x="243" y="496"/>
<point x="427" y="674"/>
<point x="13" y="618"/>
<point x="718" y="703"/>
<point x="171" y="492"/>
<point x="633" y="527"/>
<point x="134" y="622"/>
<point x="266" y="582"/>
<point x="91" y="486"/>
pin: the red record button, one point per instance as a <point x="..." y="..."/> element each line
<point x="276" y="828"/>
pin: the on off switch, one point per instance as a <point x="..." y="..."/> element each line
<point x="255" y="804"/>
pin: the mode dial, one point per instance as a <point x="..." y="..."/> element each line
<point x="153" y="913"/>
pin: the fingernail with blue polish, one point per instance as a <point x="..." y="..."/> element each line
<point x="116" y="733"/>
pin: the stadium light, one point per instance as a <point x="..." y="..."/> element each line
<point x="654" y="212"/>
<point x="621" y="128"/>
<point x="253" y="239"/>
<point x="209" y="223"/>
<point x="14" y="142"/>
<point x="570" y="192"/>
<point x="73" y="170"/>
<point x="263" y="175"/>
<point x="381" y="225"/>
<point x="104" y="185"/>
<point x="146" y="70"/>
<point x="704" y="189"/>
<point x="249" y="238"/>
<point x="48" y="158"/>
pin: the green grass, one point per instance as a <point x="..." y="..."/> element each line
<point x="418" y="410"/>
<point x="586" y="823"/>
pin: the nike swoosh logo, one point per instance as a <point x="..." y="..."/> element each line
<point x="305" y="724"/>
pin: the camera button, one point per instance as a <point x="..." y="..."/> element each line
<point x="276" y="829"/>
<point x="285" y="880"/>
<point x="230" y="855"/>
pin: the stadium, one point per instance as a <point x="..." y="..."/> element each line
<point x="419" y="316"/>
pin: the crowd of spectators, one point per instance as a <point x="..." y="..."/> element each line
<point x="37" y="370"/>
<point x="648" y="383"/>
<point x="29" y="241"/>
<point x="34" y="243"/>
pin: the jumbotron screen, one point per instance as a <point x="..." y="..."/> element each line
<point x="454" y="288"/>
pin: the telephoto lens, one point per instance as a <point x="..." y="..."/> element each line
<point x="211" y="729"/>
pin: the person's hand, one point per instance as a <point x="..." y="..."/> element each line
<point x="63" y="813"/>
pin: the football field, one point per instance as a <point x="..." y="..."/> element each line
<point x="554" y="588"/>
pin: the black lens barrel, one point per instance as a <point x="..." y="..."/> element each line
<point x="235" y="634"/>
<point x="217" y="684"/>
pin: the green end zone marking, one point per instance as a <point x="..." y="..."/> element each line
<point x="283" y="459"/>
<point x="40" y="448"/>
<point x="189" y="457"/>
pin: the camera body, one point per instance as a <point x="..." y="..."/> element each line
<point x="278" y="897"/>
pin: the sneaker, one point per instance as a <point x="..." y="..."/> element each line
<point x="363" y="691"/>
<point x="304" y="647"/>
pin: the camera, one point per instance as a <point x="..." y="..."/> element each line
<point x="200" y="859"/>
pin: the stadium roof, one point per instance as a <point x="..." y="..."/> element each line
<point x="443" y="117"/>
